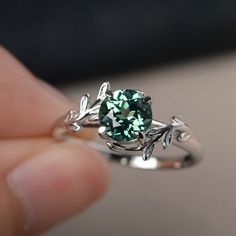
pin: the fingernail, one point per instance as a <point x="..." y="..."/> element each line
<point x="57" y="184"/>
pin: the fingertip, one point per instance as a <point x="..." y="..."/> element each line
<point x="59" y="183"/>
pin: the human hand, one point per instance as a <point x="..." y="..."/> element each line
<point x="43" y="182"/>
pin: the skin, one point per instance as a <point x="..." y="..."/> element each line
<point x="42" y="181"/>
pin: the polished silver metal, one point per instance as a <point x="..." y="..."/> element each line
<point x="177" y="133"/>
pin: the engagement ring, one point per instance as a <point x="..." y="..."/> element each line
<point x="124" y="120"/>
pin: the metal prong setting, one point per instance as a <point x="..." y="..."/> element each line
<point x="148" y="99"/>
<point x="109" y="93"/>
<point x="102" y="133"/>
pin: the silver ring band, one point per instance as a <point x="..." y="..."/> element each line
<point x="137" y="149"/>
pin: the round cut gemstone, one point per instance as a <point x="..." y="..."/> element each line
<point x="124" y="114"/>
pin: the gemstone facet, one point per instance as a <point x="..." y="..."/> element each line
<point x="124" y="114"/>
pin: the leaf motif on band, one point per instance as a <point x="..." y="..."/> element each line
<point x="84" y="103"/>
<point x="102" y="91"/>
<point x="153" y="131"/>
<point x="71" y="116"/>
<point x="183" y="137"/>
<point x="74" y="127"/>
<point x="148" y="150"/>
<point x="177" y="120"/>
<point x="141" y="138"/>
<point x="167" y="140"/>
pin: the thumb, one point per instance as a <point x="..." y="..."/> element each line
<point x="49" y="187"/>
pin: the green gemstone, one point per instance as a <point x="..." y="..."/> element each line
<point x="125" y="114"/>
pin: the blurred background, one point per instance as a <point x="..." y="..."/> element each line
<point x="62" y="41"/>
<point x="183" y="54"/>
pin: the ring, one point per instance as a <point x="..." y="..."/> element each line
<point x="124" y="121"/>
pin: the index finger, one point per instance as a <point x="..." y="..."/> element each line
<point x="28" y="106"/>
